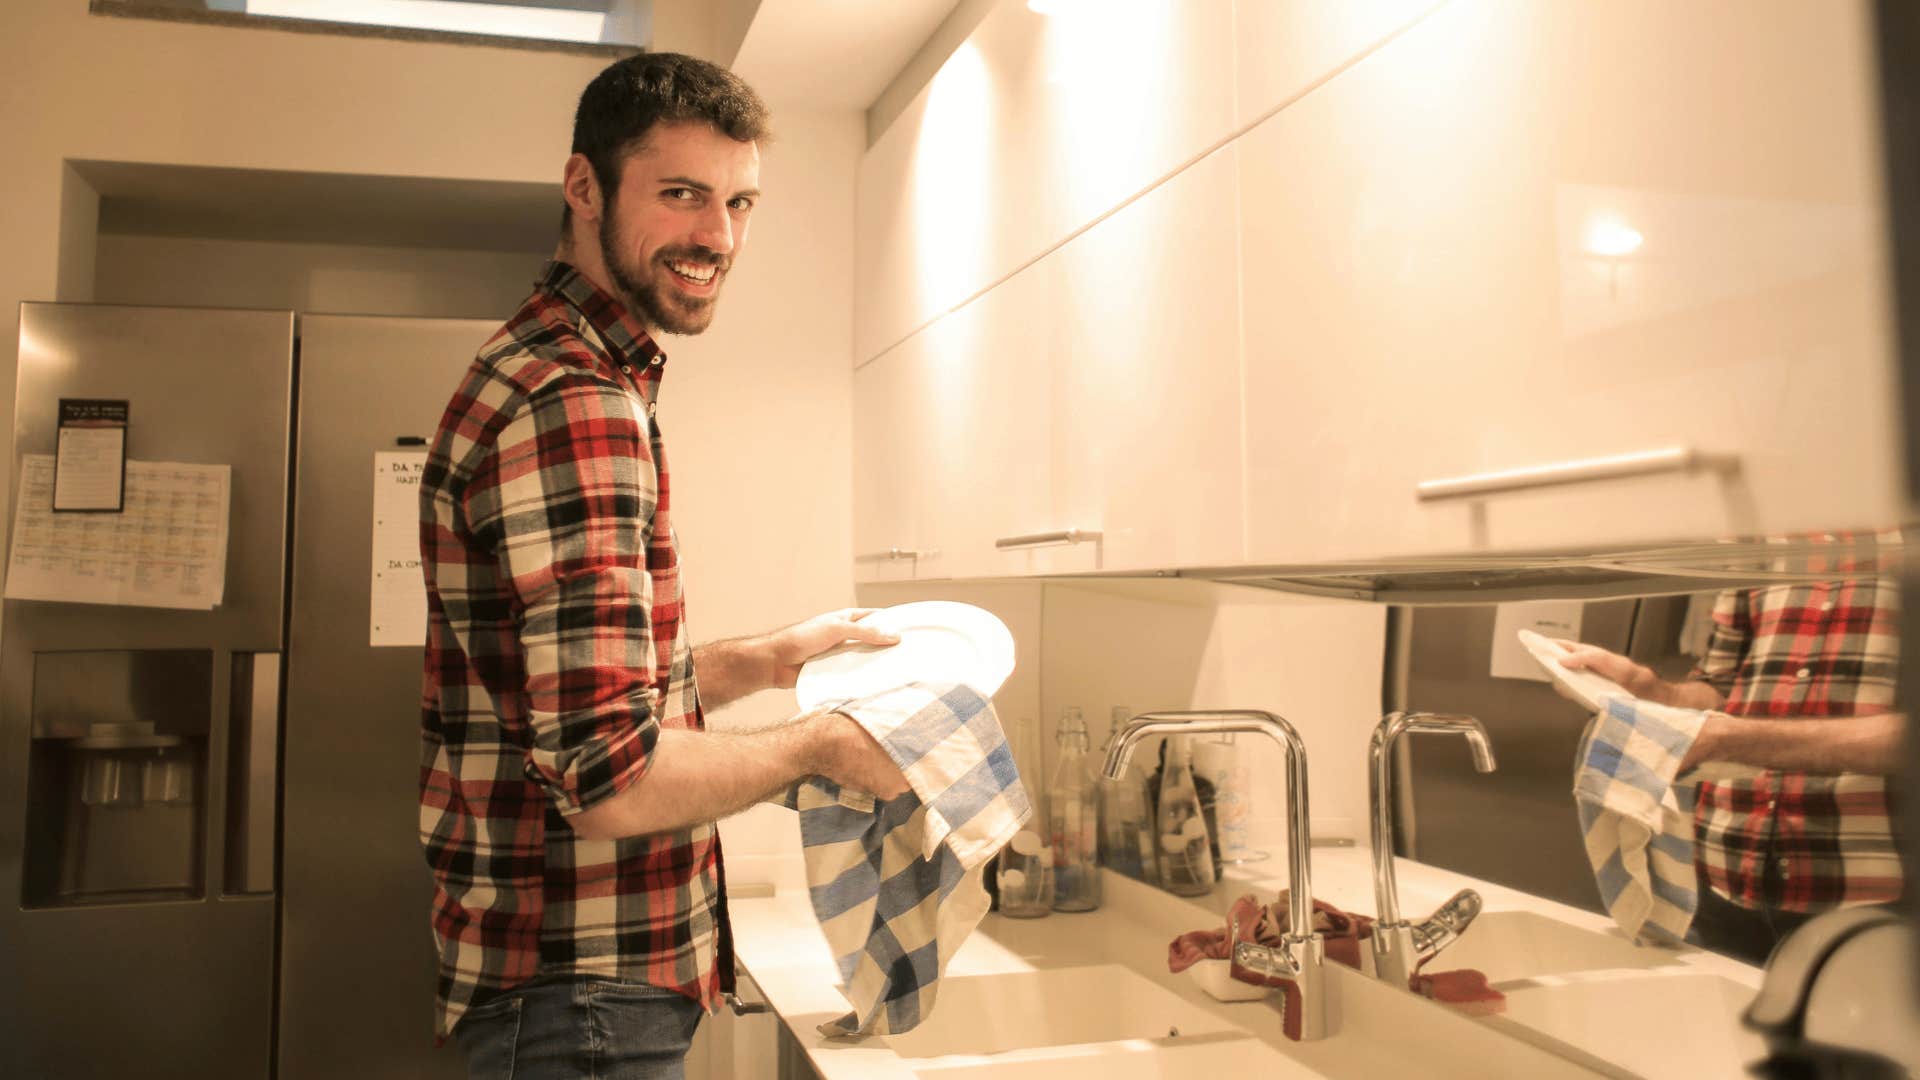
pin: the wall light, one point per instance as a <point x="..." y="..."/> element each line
<point x="1613" y="239"/>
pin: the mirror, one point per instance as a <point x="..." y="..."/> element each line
<point x="1798" y="638"/>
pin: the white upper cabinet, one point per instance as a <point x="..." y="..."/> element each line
<point x="1035" y="126"/>
<point x="1524" y="234"/>
<point x="1147" y="376"/>
<point x="1040" y="124"/>
<point x="1084" y="415"/>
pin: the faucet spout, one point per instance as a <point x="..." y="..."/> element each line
<point x="1299" y="872"/>
<point x="1301" y="955"/>
<point x="1398" y="947"/>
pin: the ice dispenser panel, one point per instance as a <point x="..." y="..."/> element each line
<point x="116" y="786"/>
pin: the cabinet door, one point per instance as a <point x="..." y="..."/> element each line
<point x="1525" y="234"/>
<point x="1147" y="421"/>
<point x="888" y="531"/>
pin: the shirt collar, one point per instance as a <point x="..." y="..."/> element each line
<point x="630" y="347"/>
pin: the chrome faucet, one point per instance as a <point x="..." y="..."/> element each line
<point x="1301" y="955"/>
<point x="1399" y="947"/>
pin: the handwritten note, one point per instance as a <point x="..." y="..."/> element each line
<point x="167" y="548"/>
<point x="398" y="614"/>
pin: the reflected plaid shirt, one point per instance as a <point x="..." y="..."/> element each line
<point x="556" y="651"/>
<point x="1825" y="650"/>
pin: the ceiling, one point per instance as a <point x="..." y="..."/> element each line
<point x="834" y="54"/>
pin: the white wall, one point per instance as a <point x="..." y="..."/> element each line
<point x="1167" y="645"/>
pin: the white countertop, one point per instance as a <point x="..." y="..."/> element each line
<point x="1376" y="1030"/>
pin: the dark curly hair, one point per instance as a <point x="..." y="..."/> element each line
<point x="624" y="102"/>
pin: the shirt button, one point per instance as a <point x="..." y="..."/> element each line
<point x="1828" y="606"/>
<point x="1772" y="803"/>
<point x="1803" y="673"/>
<point x="658" y="360"/>
<point x="626" y="369"/>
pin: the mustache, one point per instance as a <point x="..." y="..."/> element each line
<point x="698" y="255"/>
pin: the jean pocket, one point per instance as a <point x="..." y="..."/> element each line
<point x="638" y="1023"/>
<point x="489" y="1036"/>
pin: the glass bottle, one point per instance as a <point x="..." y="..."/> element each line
<point x="1073" y="820"/>
<point x="1126" y="825"/>
<point x="1186" y="862"/>
<point x="1024" y="876"/>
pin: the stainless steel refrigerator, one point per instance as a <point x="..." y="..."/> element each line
<point x="208" y="854"/>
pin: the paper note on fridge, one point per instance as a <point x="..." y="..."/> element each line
<point x="166" y="548"/>
<point x="1550" y="618"/>
<point x="398" y="613"/>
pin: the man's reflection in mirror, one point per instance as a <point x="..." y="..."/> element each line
<point x="1798" y="680"/>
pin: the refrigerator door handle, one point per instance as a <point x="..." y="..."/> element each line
<point x="253" y="773"/>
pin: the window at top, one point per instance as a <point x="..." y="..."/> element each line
<point x="581" y="22"/>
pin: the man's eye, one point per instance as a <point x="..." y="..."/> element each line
<point x="742" y="204"/>
<point x="679" y="193"/>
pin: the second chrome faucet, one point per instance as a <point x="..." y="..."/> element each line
<point x="1300" y="958"/>
<point x="1399" y="947"/>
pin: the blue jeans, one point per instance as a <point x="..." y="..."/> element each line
<point x="569" y="1028"/>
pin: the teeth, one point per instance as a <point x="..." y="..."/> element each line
<point x="698" y="273"/>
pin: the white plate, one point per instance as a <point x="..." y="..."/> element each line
<point x="1592" y="689"/>
<point x="940" y="641"/>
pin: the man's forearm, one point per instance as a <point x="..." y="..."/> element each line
<point x="1826" y="746"/>
<point x="1693" y="694"/>
<point x="700" y="776"/>
<point x="730" y="669"/>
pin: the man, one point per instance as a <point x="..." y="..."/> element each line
<point x="568" y="784"/>
<point x="1799" y="681"/>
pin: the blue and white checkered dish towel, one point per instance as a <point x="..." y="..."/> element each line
<point x="896" y="885"/>
<point x="1639" y="840"/>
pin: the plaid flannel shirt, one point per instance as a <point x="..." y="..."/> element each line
<point x="556" y="651"/>
<point x="1825" y="650"/>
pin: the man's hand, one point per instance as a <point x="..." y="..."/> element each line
<point x="1636" y="679"/>
<point x="735" y="667"/>
<point x="850" y="757"/>
<point x="790" y="647"/>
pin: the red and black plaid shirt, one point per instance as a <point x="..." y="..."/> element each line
<point x="1825" y="650"/>
<point x="556" y="651"/>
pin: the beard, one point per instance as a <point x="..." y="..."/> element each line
<point x="647" y="291"/>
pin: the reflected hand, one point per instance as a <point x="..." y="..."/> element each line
<point x="790" y="647"/>
<point x="1636" y="679"/>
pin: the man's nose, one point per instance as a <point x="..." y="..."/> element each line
<point x="714" y="230"/>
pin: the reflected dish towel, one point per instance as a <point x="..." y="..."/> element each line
<point x="1639" y="841"/>
<point x="896" y="884"/>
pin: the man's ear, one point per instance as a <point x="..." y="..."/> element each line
<point x="581" y="187"/>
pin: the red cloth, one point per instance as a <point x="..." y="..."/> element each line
<point x="1342" y="931"/>
<point x="1266" y="924"/>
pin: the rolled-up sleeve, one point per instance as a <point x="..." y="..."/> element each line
<point x="567" y="502"/>
<point x="1727" y="648"/>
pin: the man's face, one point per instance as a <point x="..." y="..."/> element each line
<point x="677" y="221"/>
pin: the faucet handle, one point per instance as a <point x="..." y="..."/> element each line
<point x="1446" y="924"/>
<point x="1254" y="963"/>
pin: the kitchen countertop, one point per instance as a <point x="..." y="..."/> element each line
<point x="1377" y="1030"/>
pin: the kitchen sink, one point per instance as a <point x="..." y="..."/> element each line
<point x="1508" y="945"/>
<point x="1646" y="1024"/>
<point x="1223" y="1055"/>
<point x="987" y="1015"/>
